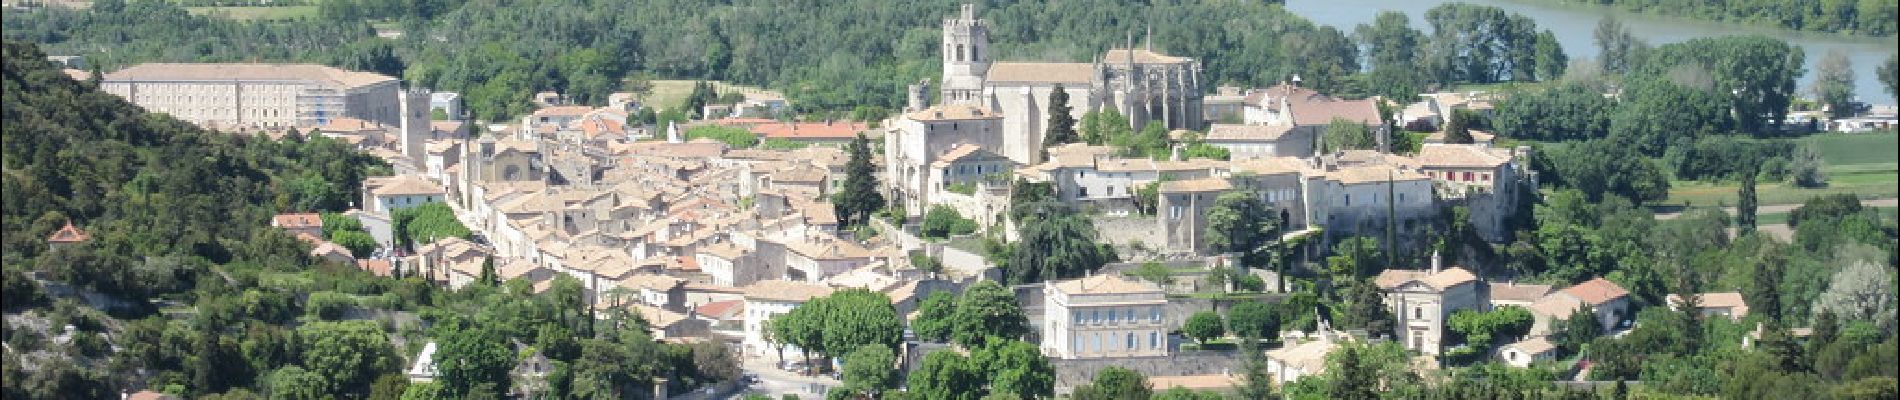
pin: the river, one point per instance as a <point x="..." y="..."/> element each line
<point x="1574" y="25"/>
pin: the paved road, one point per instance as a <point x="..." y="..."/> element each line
<point x="1785" y="208"/>
<point x="775" y="382"/>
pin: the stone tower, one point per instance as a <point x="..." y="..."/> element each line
<point x="414" y="105"/>
<point x="966" y="57"/>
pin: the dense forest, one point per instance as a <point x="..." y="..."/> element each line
<point x="185" y="288"/>
<point x="834" y="56"/>
<point x="1863" y="17"/>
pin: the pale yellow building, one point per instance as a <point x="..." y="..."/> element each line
<point x="258" y="95"/>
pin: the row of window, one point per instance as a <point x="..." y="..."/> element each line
<point x="1096" y="342"/>
<point x="1455" y="176"/>
<point x="1115" y="315"/>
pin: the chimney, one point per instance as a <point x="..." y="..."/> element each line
<point x="1438" y="262"/>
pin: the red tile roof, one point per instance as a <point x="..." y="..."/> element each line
<point x="68" y="234"/>
<point x="721" y="309"/>
<point x="810" y="130"/>
<point x="1596" y="291"/>
<point x="297" y="220"/>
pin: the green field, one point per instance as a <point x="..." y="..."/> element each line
<point x="257" y="13"/>
<point x="668" y="94"/>
<point x="1866" y="164"/>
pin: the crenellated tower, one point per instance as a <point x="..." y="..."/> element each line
<point x="966" y="57"/>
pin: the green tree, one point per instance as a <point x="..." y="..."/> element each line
<point x="1481" y="328"/>
<point x="1458" y="128"/>
<point x="1366" y="309"/>
<point x="1115" y="383"/>
<point x="935" y="317"/>
<point x="1349" y="376"/>
<point x="1202" y="326"/>
<point x="1104" y="127"/>
<point x="359" y="243"/>
<point x="1580" y="328"/>
<point x="295" y="383"/>
<point x="1570" y="111"/>
<point x="1758" y="72"/>
<point x="1015" y="368"/>
<point x="987" y="310"/>
<point x="1889" y="74"/>
<point x="1059" y="243"/>
<point x="943" y="222"/>
<point x="868" y="370"/>
<point x="1616" y="46"/>
<point x="1061" y="124"/>
<point x="854" y="318"/>
<point x="472" y="355"/>
<point x="1253" y="319"/>
<point x="1745" y="206"/>
<point x="428" y="222"/>
<point x="1153" y="271"/>
<point x="734" y="137"/>
<point x="1392" y="53"/>
<point x="1342" y="134"/>
<point x="347" y="356"/>
<point x="1240" y="223"/>
<point x="946" y="375"/>
<point x="1551" y="60"/>
<point x="859" y="197"/>
<point x="1834" y="84"/>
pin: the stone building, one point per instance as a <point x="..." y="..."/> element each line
<point x="1423" y="301"/>
<point x="258" y="95"/>
<point x="1103" y="316"/>
<point x="1140" y="83"/>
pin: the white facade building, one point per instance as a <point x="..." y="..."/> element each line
<point x="1104" y="316"/>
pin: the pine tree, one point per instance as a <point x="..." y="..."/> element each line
<point x="1061" y="124"/>
<point x="859" y="197"/>
<point x="488" y="272"/>
<point x="1458" y="128"/>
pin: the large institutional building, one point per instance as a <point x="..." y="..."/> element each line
<point x="258" y="95"/>
<point x="1003" y="106"/>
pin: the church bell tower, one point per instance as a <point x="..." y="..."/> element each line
<point x="966" y="57"/>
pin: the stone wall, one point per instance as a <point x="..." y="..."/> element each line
<point x="1071" y="373"/>
<point x="1123" y="231"/>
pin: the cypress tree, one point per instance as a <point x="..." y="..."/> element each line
<point x="1061" y="124"/>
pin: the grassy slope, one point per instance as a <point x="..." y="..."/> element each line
<point x="258" y="13"/>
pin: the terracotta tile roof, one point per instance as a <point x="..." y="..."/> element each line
<point x="247" y="72"/>
<point x="563" y="111"/>
<point x="1270" y="165"/>
<point x="1557" y="305"/>
<point x="1142" y="56"/>
<point x="1243" y="132"/>
<point x="1105" y="284"/>
<point x="651" y="282"/>
<point x="1458" y="156"/>
<point x="150" y="395"/>
<point x="1042" y="72"/>
<point x="727" y="251"/>
<point x="1374" y="174"/>
<point x="826" y="248"/>
<point x="406" y="186"/>
<point x="783" y="290"/>
<point x="677" y="150"/>
<point x="965" y="152"/>
<point x="1536" y="345"/>
<point x="516" y="268"/>
<point x="1323" y="111"/>
<point x="1730" y="300"/>
<point x="77" y="74"/>
<point x="297" y="220"/>
<point x="68" y="234"/>
<point x="1196" y="185"/>
<point x="1518" y="292"/>
<point x="348" y="125"/>
<point x="1596" y="291"/>
<point x="1476" y="136"/>
<point x="811" y="130"/>
<point x="954" y="112"/>
<point x="602" y="128"/>
<point x="721" y="310"/>
<point x="378" y="267"/>
<point x="1444" y="279"/>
